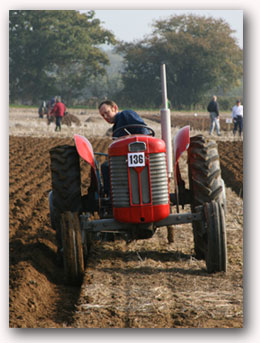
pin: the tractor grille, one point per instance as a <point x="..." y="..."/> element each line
<point x="120" y="185"/>
<point x="159" y="179"/>
<point x="119" y="181"/>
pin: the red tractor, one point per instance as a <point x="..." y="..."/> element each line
<point x="140" y="200"/>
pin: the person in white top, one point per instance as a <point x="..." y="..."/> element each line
<point x="237" y="116"/>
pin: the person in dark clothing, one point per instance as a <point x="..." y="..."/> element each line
<point x="42" y="109"/>
<point x="213" y="109"/>
<point x="50" y="104"/>
<point x="109" y="111"/>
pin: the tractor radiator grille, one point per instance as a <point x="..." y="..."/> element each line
<point x="120" y="184"/>
<point x="119" y="181"/>
<point x="159" y="179"/>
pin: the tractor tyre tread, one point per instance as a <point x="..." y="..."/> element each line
<point x="66" y="182"/>
<point x="205" y="184"/>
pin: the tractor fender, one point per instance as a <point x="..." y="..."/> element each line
<point x="85" y="150"/>
<point x="181" y="143"/>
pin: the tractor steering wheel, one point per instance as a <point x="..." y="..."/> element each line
<point x="151" y="133"/>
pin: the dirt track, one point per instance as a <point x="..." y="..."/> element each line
<point x="148" y="283"/>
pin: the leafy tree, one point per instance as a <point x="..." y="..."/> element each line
<point x="54" y="52"/>
<point x="106" y="86"/>
<point x="200" y="55"/>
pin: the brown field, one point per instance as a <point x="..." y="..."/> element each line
<point x="144" y="284"/>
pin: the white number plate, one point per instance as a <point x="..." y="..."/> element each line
<point x="136" y="159"/>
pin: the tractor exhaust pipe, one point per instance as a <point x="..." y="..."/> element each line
<point x="166" y="122"/>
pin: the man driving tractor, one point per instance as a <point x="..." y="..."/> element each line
<point x="109" y="111"/>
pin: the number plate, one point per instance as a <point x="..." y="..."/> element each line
<point x="136" y="159"/>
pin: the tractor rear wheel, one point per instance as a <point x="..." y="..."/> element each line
<point x="66" y="191"/>
<point x="66" y="182"/>
<point x="216" y="254"/>
<point x="205" y="184"/>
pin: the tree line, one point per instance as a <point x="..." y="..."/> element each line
<point x="60" y="53"/>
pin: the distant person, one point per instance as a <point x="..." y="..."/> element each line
<point x="58" y="111"/>
<point x="237" y="116"/>
<point x="213" y="109"/>
<point x="42" y="109"/>
<point x="51" y="103"/>
<point x="109" y="111"/>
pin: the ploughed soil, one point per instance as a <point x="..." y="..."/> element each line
<point x="143" y="284"/>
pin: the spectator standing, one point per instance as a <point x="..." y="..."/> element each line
<point x="213" y="109"/>
<point x="237" y="116"/>
<point x="58" y="111"/>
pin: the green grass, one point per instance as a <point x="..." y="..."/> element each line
<point x="22" y="106"/>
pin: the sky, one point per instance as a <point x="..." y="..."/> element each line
<point x="129" y="25"/>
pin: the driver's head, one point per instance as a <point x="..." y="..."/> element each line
<point x="108" y="109"/>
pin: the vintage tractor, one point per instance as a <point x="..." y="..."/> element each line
<point x="140" y="201"/>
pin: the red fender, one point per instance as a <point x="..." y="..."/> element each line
<point x="85" y="151"/>
<point x="181" y="143"/>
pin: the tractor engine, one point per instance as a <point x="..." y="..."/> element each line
<point x="139" y="179"/>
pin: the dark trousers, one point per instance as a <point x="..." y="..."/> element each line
<point x="238" y="123"/>
<point x="58" y="123"/>
<point x="106" y="179"/>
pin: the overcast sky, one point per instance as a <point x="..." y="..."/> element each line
<point x="128" y="25"/>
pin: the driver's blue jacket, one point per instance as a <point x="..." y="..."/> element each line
<point x="128" y="117"/>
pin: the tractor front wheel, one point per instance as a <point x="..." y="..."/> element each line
<point x="66" y="197"/>
<point x="216" y="253"/>
<point x="73" y="258"/>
